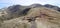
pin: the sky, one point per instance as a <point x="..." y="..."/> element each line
<point x="6" y="3"/>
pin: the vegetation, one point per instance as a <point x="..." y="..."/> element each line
<point x="41" y="16"/>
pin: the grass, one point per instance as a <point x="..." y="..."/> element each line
<point x="46" y="16"/>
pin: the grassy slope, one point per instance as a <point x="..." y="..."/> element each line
<point x="45" y="18"/>
<point x="49" y="17"/>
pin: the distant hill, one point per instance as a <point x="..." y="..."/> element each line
<point x="36" y="5"/>
<point x="52" y="6"/>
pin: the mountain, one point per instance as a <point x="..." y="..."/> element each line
<point x="16" y="11"/>
<point x="33" y="16"/>
<point x="52" y="6"/>
<point x="36" y="5"/>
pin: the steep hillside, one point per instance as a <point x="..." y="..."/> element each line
<point x="17" y="10"/>
<point x="39" y="17"/>
<point x="14" y="12"/>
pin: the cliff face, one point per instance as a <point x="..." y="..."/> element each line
<point x="30" y="17"/>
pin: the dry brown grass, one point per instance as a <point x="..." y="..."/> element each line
<point x="49" y="17"/>
<point x="45" y="18"/>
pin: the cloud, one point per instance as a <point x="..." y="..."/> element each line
<point x="28" y="2"/>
